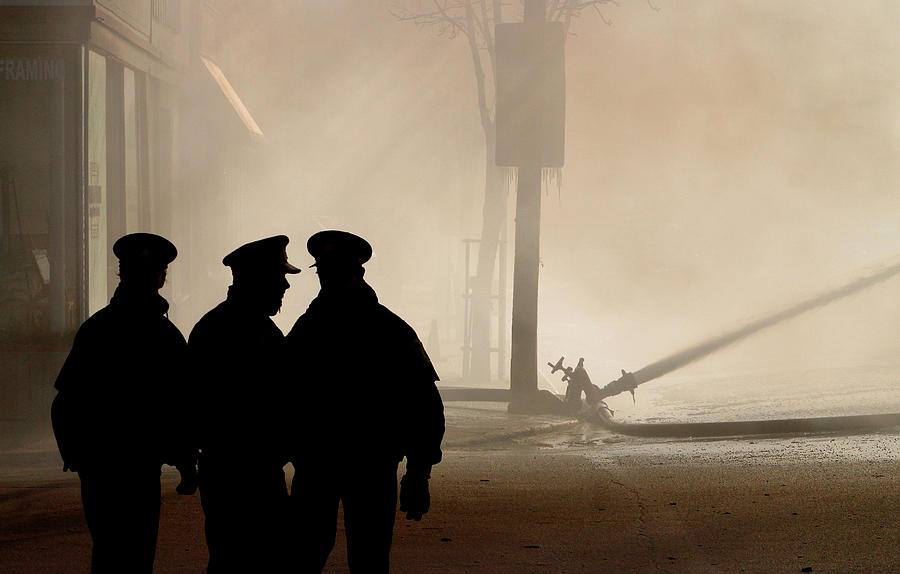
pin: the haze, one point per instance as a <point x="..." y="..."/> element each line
<point x="723" y="160"/>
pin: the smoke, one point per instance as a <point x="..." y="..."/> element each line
<point x="722" y="158"/>
<point x="697" y="352"/>
<point x="726" y="158"/>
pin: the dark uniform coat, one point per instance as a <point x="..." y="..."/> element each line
<point x="367" y="399"/>
<point x="118" y="417"/>
<point x="235" y="353"/>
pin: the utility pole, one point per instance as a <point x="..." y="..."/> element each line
<point x="526" y="266"/>
<point x="530" y="134"/>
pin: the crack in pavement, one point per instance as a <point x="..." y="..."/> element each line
<point x="641" y="520"/>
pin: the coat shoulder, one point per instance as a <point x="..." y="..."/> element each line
<point x="301" y="323"/>
<point x="395" y="323"/>
<point x="209" y="323"/>
<point x="174" y="332"/>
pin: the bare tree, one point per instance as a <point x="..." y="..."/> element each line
<point x="474" y="20"/>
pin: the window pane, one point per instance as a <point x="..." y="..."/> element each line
<point x="132" y="185"/>
<point x="96" y="120"/>
<point x="28" y="92"/>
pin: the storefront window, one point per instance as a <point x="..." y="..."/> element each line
<point x="31" y="180"/>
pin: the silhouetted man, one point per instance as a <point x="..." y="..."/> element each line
<point x="369" y="401"/>
<point x="119" y="415"/>
<point x="236" y="356"/>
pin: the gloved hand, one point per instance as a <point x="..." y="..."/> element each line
<point x="188" y="484"/>
<point x="414" y="497"/>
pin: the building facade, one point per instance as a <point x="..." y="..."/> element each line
<point x="114" y="118"/>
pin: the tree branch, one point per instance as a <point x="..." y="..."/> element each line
<point x="439" y="17"/>
<point x="492" y="47"/>
<point x="485" y="24"/>
<point x="566" y="10"/>
<point x="484" y="110"/>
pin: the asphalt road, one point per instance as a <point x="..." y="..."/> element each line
<point x="568" y="501"/>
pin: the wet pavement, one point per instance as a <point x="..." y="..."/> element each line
<point x="474" y="423"/>
<point x="535" y="494"/>
<point x="468" y="424"/>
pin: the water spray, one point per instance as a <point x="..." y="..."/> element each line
<point x="630" y="381"/>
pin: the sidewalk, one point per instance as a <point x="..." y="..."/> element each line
<point x="34" y="451"/>
<point x="468" y="424"/>
<point x="475" y="423"/>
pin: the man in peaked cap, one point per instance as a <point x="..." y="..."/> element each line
<point x="236" y="357"/>
<point x="117" y="417"/>
<point x="372" y="371"/>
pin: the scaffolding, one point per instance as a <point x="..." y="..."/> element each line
<point x="498" y="293"/>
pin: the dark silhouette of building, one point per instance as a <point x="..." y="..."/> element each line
<point x="366" y="398"/>
<point x="237" y="363"/>
<point x="120" y="414"/>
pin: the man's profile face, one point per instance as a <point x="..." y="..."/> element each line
<point x="271" y="291"/>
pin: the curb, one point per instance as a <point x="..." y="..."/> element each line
<point x="508" y="435"/>
<point x="848" y="423"/>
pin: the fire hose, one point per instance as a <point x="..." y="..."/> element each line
<point x="600" y="414"/>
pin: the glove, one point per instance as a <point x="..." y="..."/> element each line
<point x="414" y="497"/>
<point x="188" y="484"/>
